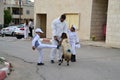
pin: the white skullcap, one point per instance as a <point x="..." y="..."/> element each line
<point x="74" y="26"/>
<point x="38" y="30"/>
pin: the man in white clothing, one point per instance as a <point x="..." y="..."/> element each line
<point x="31" y="27"/>
<point x="59" y="26"/>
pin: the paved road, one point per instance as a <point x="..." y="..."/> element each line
<point x="93" y="63"/>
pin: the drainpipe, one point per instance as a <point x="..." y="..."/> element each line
<point x="19" y="11"/>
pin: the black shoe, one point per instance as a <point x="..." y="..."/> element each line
<point x="67" y="64"/>
<point x="40" y="64"/>
<point x="73" y="58"/>
<point x="52" y="61"/>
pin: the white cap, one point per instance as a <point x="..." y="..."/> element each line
<point x="38" y="30"/>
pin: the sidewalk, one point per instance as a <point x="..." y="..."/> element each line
<point x="88" y="42"/>
<point x="94" y="43"/>
<point x="98" y="43"/>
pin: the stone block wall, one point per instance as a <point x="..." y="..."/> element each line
<point x="113" y="24"/>
<point x="1" y="13"/>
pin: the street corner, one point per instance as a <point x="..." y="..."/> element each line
<point x="5" y="68"/>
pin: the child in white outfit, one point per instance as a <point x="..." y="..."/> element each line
<point x="36" y="44"/>
<point x="73" y="39"/>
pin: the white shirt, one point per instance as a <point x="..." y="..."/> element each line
<point x="31" y="24"/>
<point x="58" y="27"/>
<point x="36" y="41"/>
<point x="73" y="37"/>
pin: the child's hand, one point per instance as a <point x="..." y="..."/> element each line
<point x="33" y="48"/>
<point x="59" y="43"/>
<point x="58" y="46"/>
<point x="55" y="37"/>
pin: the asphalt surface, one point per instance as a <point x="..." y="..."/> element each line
<point x="93" y="63"/>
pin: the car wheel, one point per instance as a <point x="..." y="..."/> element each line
<point x="19" y="37"/>
<point x="2" y="35"/>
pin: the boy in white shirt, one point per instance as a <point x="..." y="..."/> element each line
<point x="36" y="44"/>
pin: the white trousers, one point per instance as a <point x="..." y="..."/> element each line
<point x="73" y="48"/>
<point x="54" y="51"/>
<point x="26" y="31"/>
<point x="42" y="46"/>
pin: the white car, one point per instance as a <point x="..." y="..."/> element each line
<point x="19" y="31"/>
<point x="8" y="30"/>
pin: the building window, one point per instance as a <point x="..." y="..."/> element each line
<point x="17" y="11"/>
<point x="27" y="12"/>
<point x="73" y="19"/>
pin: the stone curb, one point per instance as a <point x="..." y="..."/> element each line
<point x="5" y="71"/>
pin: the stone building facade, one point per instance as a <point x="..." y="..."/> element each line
<point x="113" y="23"/>
<point x="19" y="13"/>
<point x="26" y="12"/>
<point x="1" y="14"/>
<point x="90" y="16"/>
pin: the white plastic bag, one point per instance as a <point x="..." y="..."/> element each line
<point x="77" y="45"/>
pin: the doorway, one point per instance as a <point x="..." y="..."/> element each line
<point x="41" y="22"/>
<point x="99" y="20"/>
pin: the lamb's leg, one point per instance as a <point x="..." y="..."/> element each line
<point x="67" y="62"/>
<point x="61" y="61"/>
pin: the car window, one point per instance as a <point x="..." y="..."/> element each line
<point x="19" y="26"/>
<point x="11" y="27"/>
